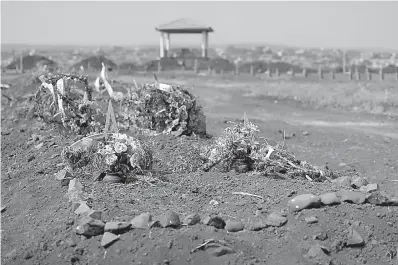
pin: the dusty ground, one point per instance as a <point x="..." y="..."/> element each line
<point x="38" y="225"/>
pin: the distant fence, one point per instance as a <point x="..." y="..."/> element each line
<point x="352" y="74"/>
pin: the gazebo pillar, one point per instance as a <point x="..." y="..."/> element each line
<point x="161" y="45"/>
<point x="166" y="54"/>
<point x="205" y="43"/>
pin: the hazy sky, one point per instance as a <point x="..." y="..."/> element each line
<point x="313" y="24"/>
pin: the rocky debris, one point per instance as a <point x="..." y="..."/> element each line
<point x="191" y="219"/>
<point x="95" y="214"/>
<point x="234" y="226"/>
<point x="75" y="190"/>
<point x="330" y="198"/>
<point x="311" y="220"/>
<point x="108" y="239"/>
<point x="82" y="209"/>
<point x="344" y="182"/>
<point x="320" y="234"/>
<point x="256" y="223"/>
<point x="352" y="196"/>
<point x="170" y="219"/>
<point x="214" y="221"/>
<point x="141" y="221"/>
<point x="354" y="239"/>
<point x="303" y="201"/>
<point x="64" y="177"/>
<point x="70" y="242"/>
<point x="90" y="227"/>
<point x="369" y="188"/>
<point x="117" y="227"/>
<point x="276" y="219"/>
<point x="221" y="251"/>
<point x="357" y="182"/>
<point x="379" y="198"/>
<point x="317" y="256"/>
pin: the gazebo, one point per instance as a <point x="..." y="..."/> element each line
<point x="182" y="26"/>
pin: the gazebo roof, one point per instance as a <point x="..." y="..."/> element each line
<point x="183" y="25"/>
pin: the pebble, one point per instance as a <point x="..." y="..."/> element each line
<point x="90" y="227"/>
<point x="372" y="187"/>
<point x="256" y="223"/>
<point x="28" y="255"/>
<point x="330" y="198"/>
<point x="117" y="227"/>
<point x="95" y="214"/>
<point x="317" y="256"/>
<point x="344" y="181"/>
<point x="354" y="238"/>
<point x="82" y="209"/>
<point x="276" y="219"/>
<point x="311" y="220"/>
<point x="214" y="203"/>
<point x="64" y="177"/>
<point x="303" y="201"/>
<point x="141" y="221"/>
<point x="31" y="158"/>
<point x="352" y="196"/>
<point x="170" y="219"/>
<point x="357" y="182"/>
<point x="70" y="242"/>
<point x="320" y="234"/>
<point x="234" y="226"/>
<point x="214" y="221"/>
<point x="191" y="219"/>
<point x="108" y="239"/>
<point x="377" y="198"/>
<point x="221" y="251"/>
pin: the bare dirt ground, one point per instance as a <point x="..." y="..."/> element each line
<point x="38" y="224"/>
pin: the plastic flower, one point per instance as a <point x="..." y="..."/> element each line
<point x="110" y="159"/>
<point x="134" y="160"/>
<point x="120" y="147"/>
<point x="108" y="149"/>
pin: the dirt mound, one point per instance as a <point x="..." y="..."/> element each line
<point x="95" y="63"/>
<point x="167" y="64"/>
<point x="30" y="62"/>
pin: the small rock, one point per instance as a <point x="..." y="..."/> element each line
<point x="305" y="133"/>
<point x="28" y="255"/>
<point x="344" y="181"/>
<point x="311" y="220"/>
<point x="320" y="234"/>
<point x="357" y="182"/>
<point x="192" y="219"/>
<point x="342" y="164"/>
<point x="141" y="221"/>
<point x="214" y="221"/>
<point x="214" y="203"/>
<point x="256" y="223"/>
<point x="95" y="214"/>
<point x="330" y="198"/>
<point x="116" y="227"/>
<point x="108" y="239"/>
<point x="317" y="256"/>
<point x="303" y="201"/>
<point x="234" y="226"/>
<point x="276" y="219"/>
<point x="64" y="176"/>
<point x="221" y="251"/>
<point x="352" y="196"/>
<point x="3" y="209"/>
<point x="372" y="187"/>
<point x="82" y="209"/>
<point x="90" y="227"/>
<point x="31" y="158"/>
<point x="70" y="242"/>
<point x="170" y="219"/>
<point x="37" y="147"/>
<point x="75" y="190"/>
<point x="378" y="198"/>
<point x="354" y="238"/>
